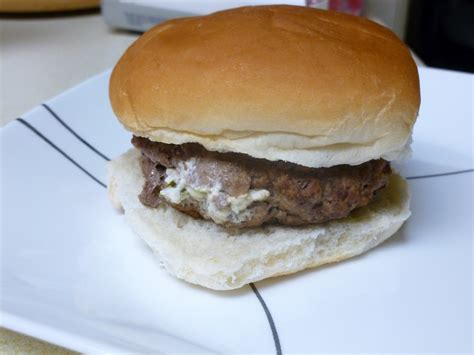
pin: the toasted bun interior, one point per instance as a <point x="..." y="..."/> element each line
<point x="201" y="252"/>
<point x="316" y="88"/>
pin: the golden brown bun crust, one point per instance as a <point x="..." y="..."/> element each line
<point x="269" y="69"/>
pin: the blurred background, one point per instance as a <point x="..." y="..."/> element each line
<point x="48" y="46"/>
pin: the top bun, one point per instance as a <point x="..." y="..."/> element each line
<point x="313" y="87"/>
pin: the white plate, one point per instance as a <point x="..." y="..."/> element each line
<point x="73" y="273"/>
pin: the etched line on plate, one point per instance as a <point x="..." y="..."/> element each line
<point x="276" y="339"/>
<point x="74" y="133"/>
<point x="440" y="174"/>
<point x="59" y="150"/>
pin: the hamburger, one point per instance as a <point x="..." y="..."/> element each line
<point x="262" y="141"/>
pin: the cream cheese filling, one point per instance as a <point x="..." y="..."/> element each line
<point x="216" y="203"/>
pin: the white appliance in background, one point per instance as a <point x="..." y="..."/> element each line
<point x="140" y="15"/>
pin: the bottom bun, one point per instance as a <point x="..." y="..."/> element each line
<point x="203" y="253"/>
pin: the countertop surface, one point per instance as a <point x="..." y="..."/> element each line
<point x="39" y="58"/>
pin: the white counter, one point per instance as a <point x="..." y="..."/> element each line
<point x="41" y="57"/>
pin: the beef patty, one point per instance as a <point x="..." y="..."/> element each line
<point x="236" y="190"/>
